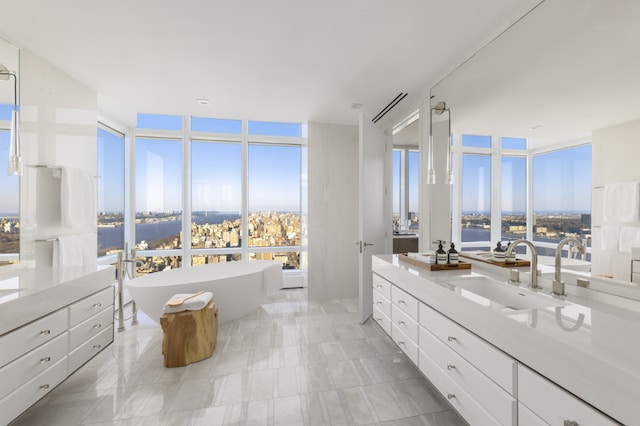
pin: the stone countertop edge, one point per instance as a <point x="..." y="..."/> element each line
<point x="608" y="387"/>
<point x="51" y="297"/>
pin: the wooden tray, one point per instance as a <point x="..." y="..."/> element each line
<point x="434" y="266"/>
<point x="517" y="263"/>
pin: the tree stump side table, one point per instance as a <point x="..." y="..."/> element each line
<point x="189" y="336"/>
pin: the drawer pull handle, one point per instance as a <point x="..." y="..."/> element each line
<point x="96" y="346"/>
<point x="44" y="386"/>
<point x="450" y="396"/>
<point x="45" y="359"/>
<point x="401" y="302"/>
<point x="451" y="367"/>
<point x="379" y="319"/>
<point x="378" y="286"/>
<point x="570" y="423"/>
<point x="402" y="344"/>
<point x="45" y="332"/>
<point x="378" y="303"/>
<point x="451" y="339"/>
<point x="402" y="323"/>
<point x="97" y="326"/>
<point x="97" y="305"/>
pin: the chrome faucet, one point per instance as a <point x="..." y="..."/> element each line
<point x="534" y="259"/>
<point x="557" y="287"/>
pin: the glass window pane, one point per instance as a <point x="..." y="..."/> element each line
<point x="476" y="198"/>
<point x="205" y="259"/>
<point x="414" y="179"/>
<point x="217" y="125"/>
<point x="562" y="195"/>
<point x="5" y="111"/>
<point x="267" y="128"/>
<point x="110" y="192"/>
<point x="159" y="122"/>
<point x="289" y="259"/>
<point x="514" y="197"/>
<point x="9" y="205"/>
<point x="151" y="264"/>
<point x="274" y="195"/>
<point x="158" y="194"/>
<point x="216" y="194"/>
<point x="396" y="187"/>
<point x="514" y="143"/>
<point x="476" y="141"/>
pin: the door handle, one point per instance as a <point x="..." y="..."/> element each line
<point x="369" y="244"/>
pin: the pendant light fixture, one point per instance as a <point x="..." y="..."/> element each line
<point x="15" y="158"/>
<point x="439" y="109"/>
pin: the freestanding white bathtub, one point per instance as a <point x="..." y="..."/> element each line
<point x="238" y="287"/>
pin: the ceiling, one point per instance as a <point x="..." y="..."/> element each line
<point x="566" y="69"/>
<point x="277" y="60"/>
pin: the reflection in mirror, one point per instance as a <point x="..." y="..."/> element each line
<point x="563" y="78"/>
<point x="9" y="184"/>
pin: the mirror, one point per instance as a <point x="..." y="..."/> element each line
<point x="9" y="185"/>
<point x="566" y="73"/>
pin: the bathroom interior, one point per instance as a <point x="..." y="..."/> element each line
<point x="557" y="77"/>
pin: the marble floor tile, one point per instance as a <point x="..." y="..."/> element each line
<point x="292" y="362"/>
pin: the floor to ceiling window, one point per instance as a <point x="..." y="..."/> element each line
<point x="476" y="201"/>
<point x="562" y="197"/>
<point x="406" y="175"/>
<point x="111" y="190"/>
<point x="9" y="203"/>
<point x="233" y="188"/>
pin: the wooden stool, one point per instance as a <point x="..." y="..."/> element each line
<point x="189" y="336"/>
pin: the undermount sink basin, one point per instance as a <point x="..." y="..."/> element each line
<point x="493" y="291"/>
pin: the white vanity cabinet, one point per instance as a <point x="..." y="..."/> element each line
<point x="404" y="322"/>
<point x="478" y="379"/>
<point x="38" y="356"/>
<point x="382" y="303"/>
<point x="553" y="405"/>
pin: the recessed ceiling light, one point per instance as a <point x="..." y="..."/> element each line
<point x="536" y="126"/>
<point x="203" y="102"/>
<point x="356" y="105"/>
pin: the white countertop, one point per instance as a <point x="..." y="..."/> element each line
<point x="27" y="294"/>
<point x="590" y="347"/>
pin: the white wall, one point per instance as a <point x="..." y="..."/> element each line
<point x="615" y="158"/>
<point x="333" y="211"/>
<point x="58" y="128"/>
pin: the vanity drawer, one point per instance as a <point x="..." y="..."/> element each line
<point x="12" y="405"/>
<point x="90" y="327"/>
<point x="463" y="403"/>
<point x="553" y="404"/>
<point x="382" y="285"/>
<point x="30" y="365"/>
<point x="527" y="417"/>
<point x="89" y="306"/>
<point x="18" y="342"/>
<point x="408" y="346"/>
<point x="382" y="303"/>
<point x="494" y="363"/>
<point x="489" y="395"/>
<point x="405" y="301"/>
<point x="405" y="323"/>
<point x="90" y="348"/>
<point x="382" y="320"/>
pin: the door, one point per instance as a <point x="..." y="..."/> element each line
<point x="372" y="213"/>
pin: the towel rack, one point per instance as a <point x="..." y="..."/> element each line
<point x="48" y="166"/>
<point x="46" y="240"/>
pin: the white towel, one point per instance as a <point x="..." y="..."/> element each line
<point x="629" y="238"/>
<point x="621" y="202"/>
<point x="77" y="198"/>
<point x="77" y="250"/>
<point x="194" y="304"/>
<point x="610" y="238"/>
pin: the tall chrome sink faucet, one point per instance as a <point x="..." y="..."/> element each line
<point x="558" y="285"/>
<point x="534" y="259"/>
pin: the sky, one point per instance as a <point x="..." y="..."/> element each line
<point x="273" y="178"/>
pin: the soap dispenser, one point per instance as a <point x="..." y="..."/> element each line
<point x="441" y="255"/>
<point x="498" y="253"/>
<point x="452" y="255"/>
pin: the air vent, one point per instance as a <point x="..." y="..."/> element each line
<point x="389" y="107"/>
